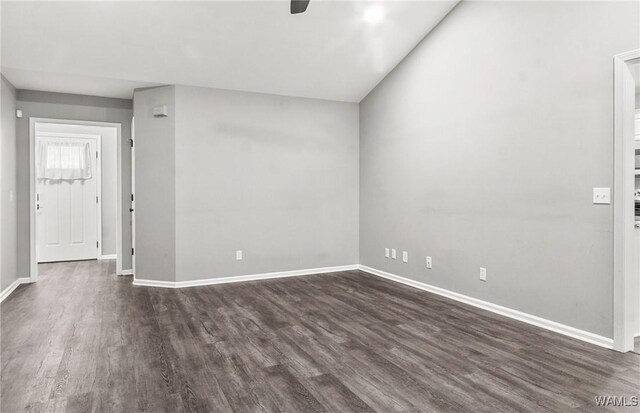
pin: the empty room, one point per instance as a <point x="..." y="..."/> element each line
<point x="320" y="206"/>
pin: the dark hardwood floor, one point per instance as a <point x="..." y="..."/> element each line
<point x="83" y="339"/>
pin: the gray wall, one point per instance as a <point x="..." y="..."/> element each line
<point x="70" y="107"/>
<point x="482" y="148"/>
<point x="8" y="210"/>
<point x="273" y="176"/>
<point x="155" y="185"/>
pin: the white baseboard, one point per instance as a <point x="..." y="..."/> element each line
<point x="13" y="286"/>
<point x="494" y="308"/>
<point x="126" y="272"/>
<point x="241" y="278"/>
<point x="109" y="257"/>
<point x="507" y="312"/>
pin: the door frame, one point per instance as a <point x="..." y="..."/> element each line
<point x="624" y="272"/>
<point x="33" y="260"/>
<point x="132" y="209"/>
<point x="98" y="175"/>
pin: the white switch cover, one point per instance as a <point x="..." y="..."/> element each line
<point x="386" y="252"/>
<point x="602" y="196"/>
<point x="483" y="274"/>
<point x="405" y="256"/>
<point x="18" y="113"/>
<point x="239" y="255"/>
<point x="429" y="263"/>
<point x="393" y="253"/>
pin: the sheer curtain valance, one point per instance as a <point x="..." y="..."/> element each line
<point x="63" y="160"/>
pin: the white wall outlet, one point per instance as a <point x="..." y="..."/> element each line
<point x="386" y="252"/>
<point x="429" y="263"/>
<point x="602" y="196"/>
<point x="239" y="255"/>
<point x="393" y="253"/>
<point x="405" y="256"/>
<point x="18" y="113"/>
<point x="483" y="274"/>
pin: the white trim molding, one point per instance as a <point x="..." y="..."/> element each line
<point x="242" y="278"/>
<point x="625" y="273"/>
<point x="126" y="272"/>
<point x="7" y="291"/>
<point x="109" y="257"/>
<point x="494" y="308"/>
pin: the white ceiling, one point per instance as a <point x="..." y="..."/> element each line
<point x="337" y="50"/>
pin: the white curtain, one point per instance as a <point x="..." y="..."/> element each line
<point x="63" y="160"/>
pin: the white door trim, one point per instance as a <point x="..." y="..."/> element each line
<point x="98" y="175"/>
<point x="623" y="211"/>
<point x="132" y="199"/>
<point x="33" y="262"/>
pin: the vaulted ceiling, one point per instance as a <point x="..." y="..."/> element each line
<point x="336" y="50"/>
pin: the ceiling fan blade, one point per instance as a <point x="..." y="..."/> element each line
<point x="299" y="6"/>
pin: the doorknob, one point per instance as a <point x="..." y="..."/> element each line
<point x="130" y="209"/>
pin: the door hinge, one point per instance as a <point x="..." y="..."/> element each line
<point x="96" y="155"/>
<point x="96" y="199"/>
<point x="97" y="244"/>
<point x="131" y="142"/>
<point x="131" y="197"/>
<point x="133" y="251"/>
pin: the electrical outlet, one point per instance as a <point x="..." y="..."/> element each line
<point x="405" y="256"/>
<point x="429" y="263"/>
<point x="602" y="196"/>
<point x="386" y="252"/>
<point x="393" y="253"/>
<point x="483" y="274"/>
<point x="239" y="255"/>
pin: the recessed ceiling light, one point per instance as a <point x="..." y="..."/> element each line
<point x="373" y="14"/>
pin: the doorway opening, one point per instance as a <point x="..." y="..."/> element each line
<point x="635" y="71"/>
<point x="75" y="192"/>
<point x="626" y="230"/>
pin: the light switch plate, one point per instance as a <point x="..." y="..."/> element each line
<point x="429" y="263"/>
<point x="393" y="253"/>
<point x="386" y="252"/>
<point x="602" y="196"/>
<point x="405" y="256"/>
<point x="239" y="255"/>
<point x="483" y="274"/>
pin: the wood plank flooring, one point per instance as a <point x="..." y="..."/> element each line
<point x="83" y="339"/>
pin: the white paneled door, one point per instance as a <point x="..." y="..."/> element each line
<point x="67" y="210"/>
